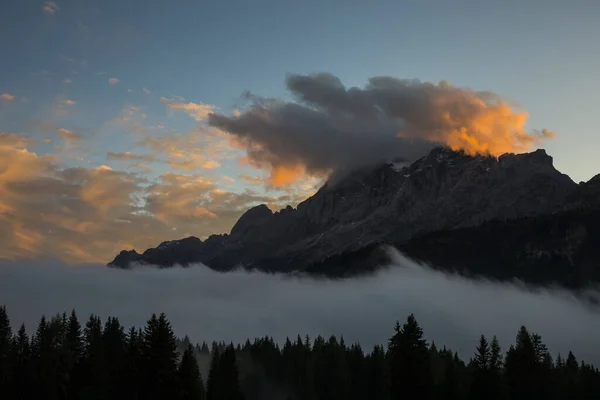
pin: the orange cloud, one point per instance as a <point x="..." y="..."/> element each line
<point x="193" y="164"/>
<point x="494" y="129"/>
<point x="202" y="212"/>
<point x="68" y="136"/>
<point x="68" y="102"/>
<point x="286" y="175"/>
<point x="7" y="97"/>
<point x="113" y="81"/>
<point x="198" y="111"/>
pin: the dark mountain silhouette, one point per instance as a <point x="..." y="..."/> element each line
<point x="470" y="213"/>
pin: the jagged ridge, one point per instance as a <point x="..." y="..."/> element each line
<point x="391" y="202"/>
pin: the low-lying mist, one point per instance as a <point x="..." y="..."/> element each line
<point x="206" y="305"/>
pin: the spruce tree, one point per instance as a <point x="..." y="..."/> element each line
<point x="213" y="383"/>
<point x="95" y="384"/>
<point x="133" y="364"/>
<point x="6" y="365"/>
<point x="191" y="386"/>
<point x="409" y="366"/>
<point x="521" y="368"/>
<point x="113" y="342"/>
<point x="223" y="376"/>
<point x="22" y="365"/>
<point x="159" y="355"/>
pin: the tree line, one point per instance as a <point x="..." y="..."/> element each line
<point x="64" y="360"/>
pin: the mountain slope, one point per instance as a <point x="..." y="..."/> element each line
<point x="389" y="203"/>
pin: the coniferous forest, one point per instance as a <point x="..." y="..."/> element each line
<point x="65" y="358"/>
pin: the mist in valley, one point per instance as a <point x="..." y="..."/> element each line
<point x="207" y="305"/>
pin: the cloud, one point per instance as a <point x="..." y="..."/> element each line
<point x="68" y="102"/>
<point x="251" y="180"/>
<point x="128" y="156"/>
<point x="77" y="214"/>
<point x="203" y="148"/>
<point x="67" y="80"/>
<point x="194" y="164"/>
<point x="198" y="111"/>
<point x="146" y="91"/>
<point x="69" y="137"/>
<point x="113" y="81"/>
<point x="331" y="128"/>
<point x="209" y="306"/>
<point x="228" y="178"/>
<point x="50" y="7"/>
<point x="7" y="97"/>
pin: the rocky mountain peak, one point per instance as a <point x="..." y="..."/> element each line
<point x="389" y="202"/>
<point x="251" y="219"/>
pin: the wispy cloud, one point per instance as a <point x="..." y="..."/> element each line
<point x="68" y="102"/>
<point x="146" y="91"/>
<point x="67" y="80"/>
<point x="113" y="81"/>
<point x="7" y="97"/>
<point x="188" y="165"/>
<point x="69" y="137"/>
<point x="50" y="7"/>
<point x="198" y="111"/>
<point x="128" y="156"/>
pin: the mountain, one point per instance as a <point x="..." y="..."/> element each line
<point x="394" y="203"/>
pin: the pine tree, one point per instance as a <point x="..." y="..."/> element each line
<point x="22" y="364"/>
<point x="132" y="362"/>
<point x="521" y="368"/>
<point x="213" y="384"/>
<point x="47" y="381"/>
<point x="377" y="374"/>
<point x="409" y="366"/>
<point x="191" y="386"/>
<point x="496" y="381"/>
<point x="94" y="365"/>
<point x="480" y="366"/>
<point x="223" y="376"/>
<point x="73" y="351"/>
<point x="159" y="355"/>
<point x="6" y="367"/>
<point x="113" y="342"/>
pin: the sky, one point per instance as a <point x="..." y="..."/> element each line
<point x="126" y="123"/>
<point x="235" y="306"/>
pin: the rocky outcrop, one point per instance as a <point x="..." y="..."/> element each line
<point x="389" y="203"/>
<point x="587" y="195"/>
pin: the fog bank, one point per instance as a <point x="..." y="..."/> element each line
<point x="207" y="305"/>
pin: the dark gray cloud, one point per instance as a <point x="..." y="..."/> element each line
<point x="208" y="305"/>
<point x="330" y="127"/>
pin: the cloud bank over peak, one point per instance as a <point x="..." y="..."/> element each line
<point x="331" y="128"/>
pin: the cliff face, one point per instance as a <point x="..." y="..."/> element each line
<point x="392" y="203"/>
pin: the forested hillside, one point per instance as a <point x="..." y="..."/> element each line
<point x="62" y="359"/>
